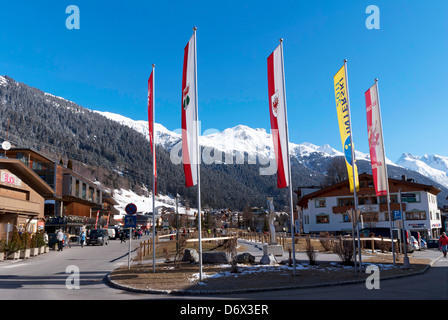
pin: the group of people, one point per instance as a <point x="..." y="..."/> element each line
<point x="63" y="239"/>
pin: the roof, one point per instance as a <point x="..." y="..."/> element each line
<point x="19" y="169"/>
<point x="393" y="184"/>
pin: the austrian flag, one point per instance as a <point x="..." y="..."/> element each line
<point x="189" y="114"/>
<point x="151" y="125"/>
<point x="277" y="110"/>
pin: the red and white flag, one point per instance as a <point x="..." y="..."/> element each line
<point x="151" y="112"/>
<point x="375" y="135"/>
<point x="277" y="110"/>
<point x="190" y="143"/>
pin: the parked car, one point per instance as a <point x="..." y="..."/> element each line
<point x="423" y="244"/>
<point x="97" y="236"/>
<point x="415" y="243"/>
<point x="417" y="236"/>
<point x="432" y="243"/>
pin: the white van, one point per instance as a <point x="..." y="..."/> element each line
<point x="111" y="233"/>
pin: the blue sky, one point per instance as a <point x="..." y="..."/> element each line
<point x="106" y="63"/>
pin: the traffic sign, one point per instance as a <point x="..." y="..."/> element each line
<point x="130" y="221"/>
<point x="131" y="209"/>
<point x="397" y="215"/>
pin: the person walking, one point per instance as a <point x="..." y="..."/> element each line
<point x="67" y="237"/>
<point x="83" y="238"/>
<point x="122" y="236"/>
<point x="443" y="241"/>
<point x="60" y="239"/>
<point x="46" y="237"/>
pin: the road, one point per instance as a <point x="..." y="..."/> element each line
<point x="45" y="278"/>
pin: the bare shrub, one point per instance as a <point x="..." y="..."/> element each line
<point x="344" y="249"/>
<point x="181" y="245"/>
<point x="230" y="248"/>
<point x="310" y="252"/>
<point x="326" y="244"/>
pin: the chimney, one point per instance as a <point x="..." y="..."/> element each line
<point x="404" y="178"/>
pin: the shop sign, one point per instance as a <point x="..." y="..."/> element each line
<point x="9" y="178"/>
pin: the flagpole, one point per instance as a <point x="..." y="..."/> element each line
<point x="153" y="171"/>
<point x="198" y="156"/>
<point x="289" y="164"/>
<point x="354" y="216"/>
<point x="385" y="170"/>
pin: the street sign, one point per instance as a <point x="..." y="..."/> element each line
<point x="130" y="221"/>
<point x="131" y="209"/>
<point x="397" y="215"/>
<point x="408" y="197"/>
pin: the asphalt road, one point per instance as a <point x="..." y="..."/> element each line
<point x="50" y="277"/>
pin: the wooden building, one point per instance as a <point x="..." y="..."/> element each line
<point x="22" y="197"/>
<point x="73" y="195"/>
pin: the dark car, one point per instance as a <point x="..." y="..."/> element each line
<point x="97" y="236"/>
<point x="433" y="243"/>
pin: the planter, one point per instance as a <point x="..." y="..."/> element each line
<point x="2" y="256"/>
<point x="25" y="253"/>
<point x="13" y="255"/>
<point x="34" y="252"/>
<point x="42" y="250"/>
<point x="47" y="249"/>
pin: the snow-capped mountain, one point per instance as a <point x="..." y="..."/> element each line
<point x="432" y="166"/>
<point x="258" y="142"/>
<point x="239" y="139"/>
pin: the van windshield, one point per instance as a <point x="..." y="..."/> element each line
<point x="96" y="232"/>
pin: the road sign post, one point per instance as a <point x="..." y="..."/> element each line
<point x="130" y="221"/>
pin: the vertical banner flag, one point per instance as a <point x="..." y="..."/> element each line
<point x="277" y="110"/>
<point x="151" y="119"/>
<point x="343" y="110"/>
<point x="189" y="115"/>
<point x="375" y="135"/>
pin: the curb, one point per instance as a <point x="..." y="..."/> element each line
<point x="252" y="290"/>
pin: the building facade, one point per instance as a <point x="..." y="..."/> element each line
<point x="22" y="198"/>
<point x="326" y="209"/>
<point x="75" y="201"/>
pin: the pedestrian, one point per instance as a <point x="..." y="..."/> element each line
<point x="443" y="241"/>
<point x="45" y="237"/>
<point x="122" y="237"/>
<point x="83" y="238"/>
<point x="60" y="239"/>
<point x="67" y="236"/>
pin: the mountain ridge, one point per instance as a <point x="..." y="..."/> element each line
<point x="118" y="154"/>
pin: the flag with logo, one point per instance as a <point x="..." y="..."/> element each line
<point x="345" y="128"/>
<point x="190" y="143"/>
<point x="277" y="110"/>
<point x="375" y="136"/>
<point x="151" y="119"/>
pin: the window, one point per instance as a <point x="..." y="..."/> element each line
<point x="320" y="203"/>
<point x="322" y="218"/>
<point x="416" y="215"/>
<point x="84" y="190"/>
<point x="346" y="202"/>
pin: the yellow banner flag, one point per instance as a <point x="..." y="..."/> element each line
<point x="343" y="109"/>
